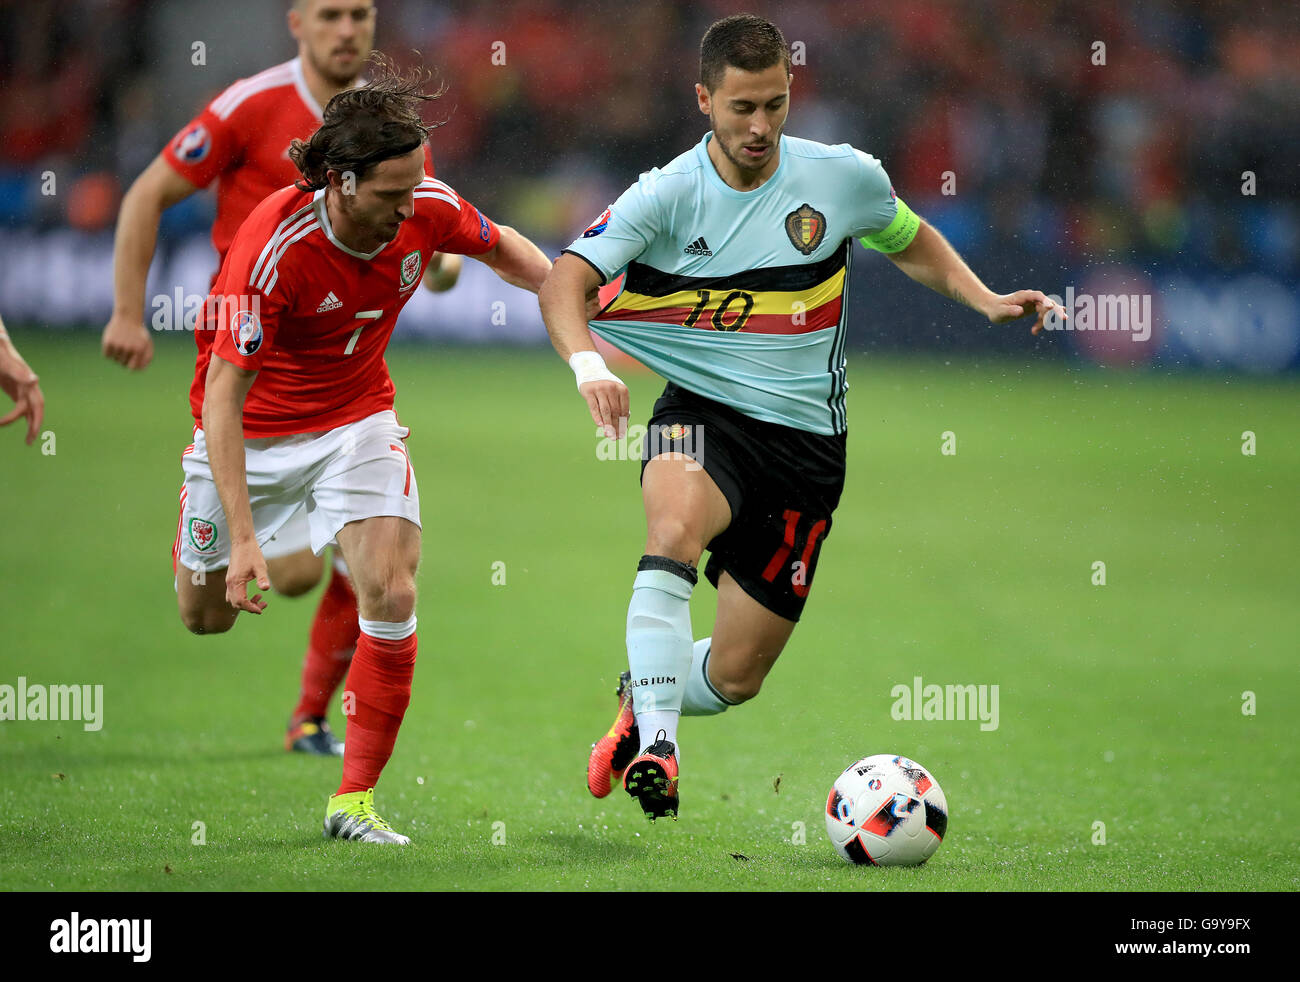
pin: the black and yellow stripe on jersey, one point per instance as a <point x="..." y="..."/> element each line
<point x="795" y="299"/>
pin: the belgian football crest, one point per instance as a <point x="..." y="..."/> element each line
<point x="806" y="227"/>
<point x="410" y="267"/>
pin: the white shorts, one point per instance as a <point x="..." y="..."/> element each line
<point x="293" y="536"/>
<point x="353" y="472"/>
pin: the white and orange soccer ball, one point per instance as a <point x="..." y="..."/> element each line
<point x="886" y="811"/>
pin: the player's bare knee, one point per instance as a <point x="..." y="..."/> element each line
<point x="292" y="576"/>
<point x="388" y="600"/>
<point x="296" y="583"/>
<point x="207" y="620"/>
<point x="401" y="602"/>
<point x="671" y="536"/>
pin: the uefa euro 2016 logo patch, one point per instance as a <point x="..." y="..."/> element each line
<point x="246" y="331"/>
<point x="203" y="535"/>
<point x="410" y="267"/>
<point x="599" y="225"/>
<point x="806" y="227"/>
<point x="193" y="145"/>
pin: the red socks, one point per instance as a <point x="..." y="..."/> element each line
<point x="379" y="690"/>
<point x="329" y="651"/>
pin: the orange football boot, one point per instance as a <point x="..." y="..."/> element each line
<point x="611" y="753"/>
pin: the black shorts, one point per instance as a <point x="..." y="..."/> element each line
<point x="782" y="484"/>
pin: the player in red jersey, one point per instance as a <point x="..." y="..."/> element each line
<point x="295" y="404"/>
<point x="241" y="141"/>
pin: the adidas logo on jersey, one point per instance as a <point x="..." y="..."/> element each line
<point x="329" y="303"/>
<point x="698" y="248"/>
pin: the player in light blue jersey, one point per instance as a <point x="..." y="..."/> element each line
<point x="736" y="258"/>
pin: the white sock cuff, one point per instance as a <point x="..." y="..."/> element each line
<point x="388" y="630"/>
<point x="663" y="581"/>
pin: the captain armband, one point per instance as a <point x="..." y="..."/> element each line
<point x="899" y="234"/>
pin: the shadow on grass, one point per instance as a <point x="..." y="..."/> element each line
<point x="563" y="848"/>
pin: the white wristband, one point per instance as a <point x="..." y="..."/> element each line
<point x="588" y="366"/>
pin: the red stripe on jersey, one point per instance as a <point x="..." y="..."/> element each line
<point x="816" y="319"/>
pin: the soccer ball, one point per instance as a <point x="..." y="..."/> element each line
<point x="886" y="811"/>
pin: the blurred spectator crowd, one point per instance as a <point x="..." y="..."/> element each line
<point x="1141" y="156"/>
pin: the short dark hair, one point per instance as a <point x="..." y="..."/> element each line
<point x="367" y="125"/>
<point x="742" y="41"/>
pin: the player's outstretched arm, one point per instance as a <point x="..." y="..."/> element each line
<point x="516" y="260"/>
<point x="20" y="383"/>
<point x="932" y="262"/>
<point x="568" y="299"/>
<point x="223" y="430"/>
<point x="126" y="340"/>
<point x="443" y="272"/>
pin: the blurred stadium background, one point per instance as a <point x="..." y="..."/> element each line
<point x="1125" y="177"/>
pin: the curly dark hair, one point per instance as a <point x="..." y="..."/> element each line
<point x="367" y="125"/>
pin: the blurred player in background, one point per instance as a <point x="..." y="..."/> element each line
<point x="22" y="385"/>
<point x="737" y="257"/>
<point x="241" y="141"/>
<point x="294" y="403"/>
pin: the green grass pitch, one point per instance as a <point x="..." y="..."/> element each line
<point x="1119" y="704"/>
